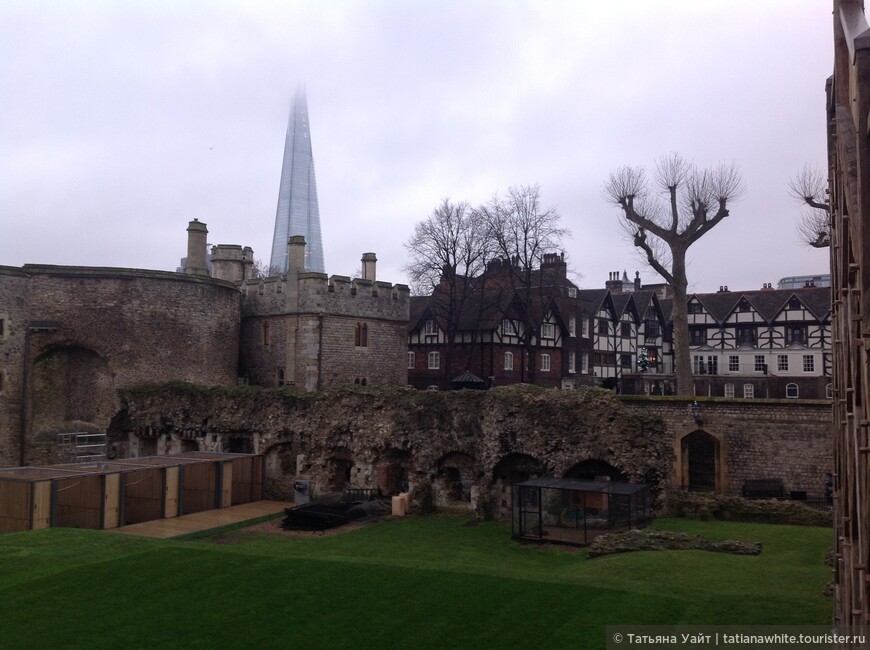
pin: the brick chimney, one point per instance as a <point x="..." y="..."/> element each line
<point x="614" y="282"/>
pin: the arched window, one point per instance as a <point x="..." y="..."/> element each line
<point x="361" y="335"/>
<point x="829" y="391"/>
<point x="508" y="360"/>
<point x="791" y="391"/>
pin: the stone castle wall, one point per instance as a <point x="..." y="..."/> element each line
<point x="783" y="439"/>
<point x="95" y="330"/>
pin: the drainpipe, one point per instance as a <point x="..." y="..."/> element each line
<point x="32" y="326"/>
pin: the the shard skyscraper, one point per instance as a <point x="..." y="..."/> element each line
<point x="298" y="213"/>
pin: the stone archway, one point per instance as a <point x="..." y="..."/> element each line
<point x="280" y="470"/>
<point x="454" y="479"/>
<point x="513" y="468"/>
<point x="339" y="464"/>
<point x="72" y="389"/>
<point x="593" y="469"/>
<point x="392" y="470"/>
<point x="700" y="462"/>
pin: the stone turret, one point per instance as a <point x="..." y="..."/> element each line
<point x="197" y="249"/>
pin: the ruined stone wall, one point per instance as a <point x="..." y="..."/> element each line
<point x="94" y="330"/>
<point x="391" y="438"/>
<point x="786" y="439"/>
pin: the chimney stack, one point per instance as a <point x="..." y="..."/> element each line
<point x="197" y="249"/>
<point x="369" y="264"/>
<point x="296" y="254"/>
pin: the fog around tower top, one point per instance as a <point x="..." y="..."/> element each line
<point x="121" y="122"/>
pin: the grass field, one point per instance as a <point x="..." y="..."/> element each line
<point x="420" y="582"/>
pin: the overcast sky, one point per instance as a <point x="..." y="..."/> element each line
<point x="122" y="121"/>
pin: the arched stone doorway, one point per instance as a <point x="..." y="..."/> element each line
<point x="595" y="469"/>
<point x="280" y="465"/>
<point x="454" y="477"/>
<point x="392" y="470"/>
<point x="513" y="468"/>
<point x="700" y="462"/>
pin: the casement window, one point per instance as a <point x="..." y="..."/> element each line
<point x="625" y="360"/>
<point x="572" y="326"/>
<point x="626" y="330"/>
<point x="746" y="335"/>
<point x="584" y="327"/>
<point x="508" y="360"/>
<point x="697" y="335"/>
<point x="361" y="335"/>
<point x="545" y="363"/>
<point x="584" y="363"/>
<point x="548" y="331"/>
<point x="509" y="327"/>
<point x="796" y="335"/>
<point x="412" y="361"/>
<point x="431" y="328"/>
<point x="651" y="328"/>
<point x="434" y="360"/>
<point x="603" y="327"/>
<point x="571" y="363"/>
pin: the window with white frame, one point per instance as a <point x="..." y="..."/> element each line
<point x="412" y="360"/>
<point x="791" y="391"/>
<point x="431" y="328"/>
<point x="782" y="362"/>
<point x="571" y="362"/>
<point x="572" y="292"/>
<point x="572" y="326"/>
<point x="508" y="360"/>
<point x="760" y="366"/>
<point x="584" y="363"/>
<point x="729" y="390"/>
<point x="508" y="327"/>
<point x="545" y="363"/>
<point x="584" y="328"/>
<point x="548" y="331"/>
<point x="434" y="360"/>
<point x="829" y="391"/>
<point x="733" y="363"/>
<point x="748" y="391"/>
<point x="809" y="363"/>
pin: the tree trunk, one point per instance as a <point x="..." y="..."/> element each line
<point x="680" y="319"/>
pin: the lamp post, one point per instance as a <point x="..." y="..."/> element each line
<point x="696" y="413"/>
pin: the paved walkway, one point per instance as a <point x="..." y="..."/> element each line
<point x="206" y="520"/>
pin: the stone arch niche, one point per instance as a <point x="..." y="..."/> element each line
<point x="338" y="468"/>
<point x="595" y="469"/>
<point x="513" y="468"/>
<point x="280" y="468"/>
<point x="392" y="469"/>
<point x="454" y="477"/>
<point x="72" y="389"/>
<point x="701" y="462"/>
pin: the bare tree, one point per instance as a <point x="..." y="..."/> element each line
<point x="663" y="224"/>
<point x="522" y="231"/>
<point x="262" y="270"/>
<point x="808" y="187"/>
<point x="448" y="250"/>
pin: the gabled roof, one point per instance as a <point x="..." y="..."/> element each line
<point x="768" y="303"/>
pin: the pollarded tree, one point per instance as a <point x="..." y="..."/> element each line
<point x="814" y="228"/>
<point x="448" y="250"/>
<point x="664" y="219"/>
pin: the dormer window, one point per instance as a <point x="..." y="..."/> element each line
<point x="743" y="305"/>
<point x="431" y="328"/>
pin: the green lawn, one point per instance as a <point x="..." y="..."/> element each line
<point x="420" y="582"/>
